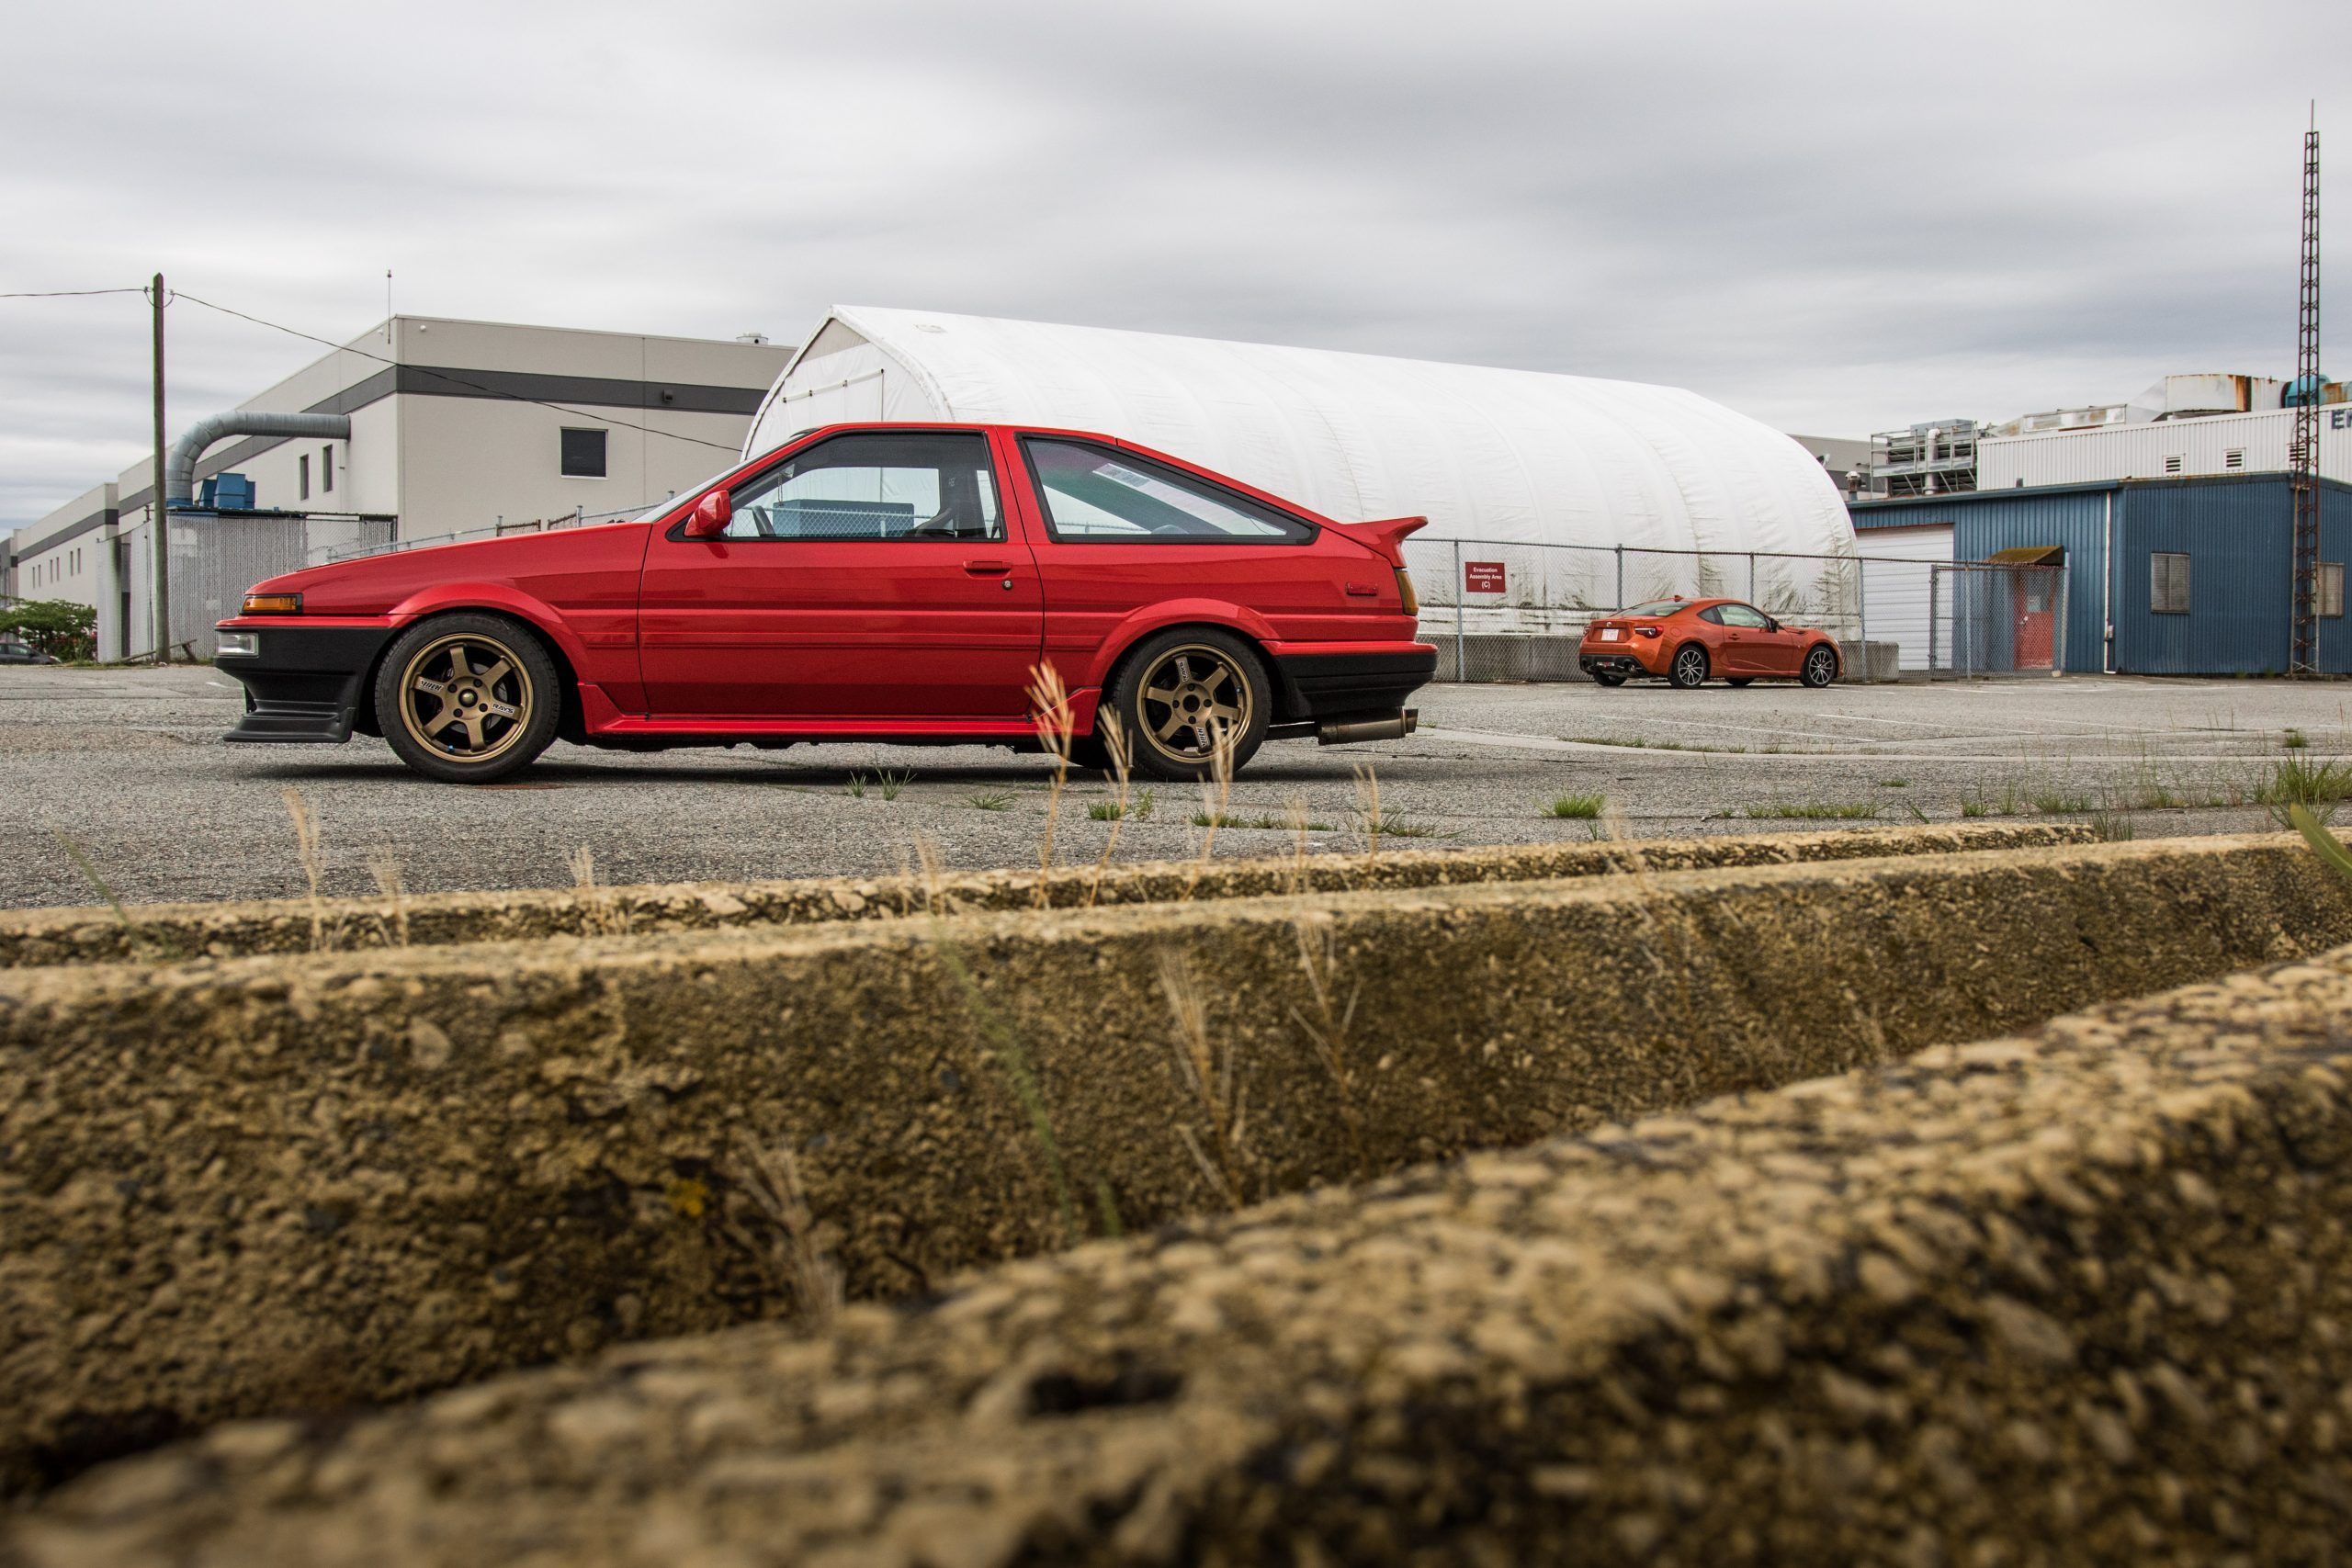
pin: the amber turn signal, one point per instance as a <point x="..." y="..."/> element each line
<point x="1405" y="591"/>
<point x="273" y="605"/>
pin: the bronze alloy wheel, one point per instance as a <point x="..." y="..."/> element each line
<point x="466" y="696"/>
<point x="1194" y="698"/>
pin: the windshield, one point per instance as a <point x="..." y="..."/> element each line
<point x="1657" y="607"/>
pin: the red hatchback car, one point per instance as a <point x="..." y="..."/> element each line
<point x="1685" y="642"/>
<point x="897" y="584"/>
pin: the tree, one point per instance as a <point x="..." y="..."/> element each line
<point x="59" y="627"/>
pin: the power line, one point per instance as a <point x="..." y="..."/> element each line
<point x="445" y="376"/>
<point x="67" y="293"/>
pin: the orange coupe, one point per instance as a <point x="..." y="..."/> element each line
<point x="1687" y="642"/>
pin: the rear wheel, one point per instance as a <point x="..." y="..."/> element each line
<point x="1820" y="665"/>
<point x="1688" y="670"/>
<point x="1184" y="693"/>
<point x="468" y="698"/>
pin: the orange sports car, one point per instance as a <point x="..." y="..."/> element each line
<point x="1687" y="642"/>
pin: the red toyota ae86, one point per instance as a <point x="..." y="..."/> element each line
<point x="898" y="583"/>
<point x="1687" y="641"/>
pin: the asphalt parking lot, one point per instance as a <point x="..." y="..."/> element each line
<point x="126" y="766"/>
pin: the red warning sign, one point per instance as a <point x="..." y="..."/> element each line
<point x="1482" y="577"/>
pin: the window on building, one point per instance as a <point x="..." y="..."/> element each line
<point x="584" y="454"/>
<point x="2329" y="590"/>
<point x="2168" y="583"/>
<point x="326" y="469"/>
<point x="2172" y="464"/>
<point x="1103" y="495"/>
<point x="926" y="486"/>
<point x="302" y="471"/>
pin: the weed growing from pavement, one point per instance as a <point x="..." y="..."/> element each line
<point x="1894" y="783"/>
<point x="2295" y="741"/>
<point x="990" y="800"/>
<point x="855" y="788"/>
<point x="1815" y="811"/>
<point x="1582" y="807"/>
<point x="2053" y="805"/>
<point x="1326" y="1027"/>
<point x="602" y="913"/>
<point x="891" y="784"/>
<point x="1221" y="820"/>
<point x="134" y="936"/>
<point x="2111" y="827"/>
<point x="2299" y="782"/>
<point x="2326" y="845"/>
<point x="1215" y="791"/>
<point x="1115" y="742"/>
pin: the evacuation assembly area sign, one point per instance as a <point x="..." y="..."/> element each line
<point x="1482" y="577"/>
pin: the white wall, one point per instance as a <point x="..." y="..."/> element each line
<point x="2141" y="451"/>
<point x="1895" y="595"/>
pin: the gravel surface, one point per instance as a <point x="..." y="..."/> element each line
<point x="128" y="766"/>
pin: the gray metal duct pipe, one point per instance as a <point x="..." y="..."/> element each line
<point x="179" y="468"/>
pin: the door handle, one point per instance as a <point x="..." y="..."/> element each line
<point x="987" y="568"/>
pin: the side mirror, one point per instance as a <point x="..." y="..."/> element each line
<point x="710" y="517"/>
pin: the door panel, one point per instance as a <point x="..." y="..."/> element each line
<point x="869" y="576"/>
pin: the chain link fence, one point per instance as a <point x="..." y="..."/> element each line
<point x="1507" y="611"/>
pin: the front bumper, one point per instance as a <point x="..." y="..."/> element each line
<point x="305" y="685"/>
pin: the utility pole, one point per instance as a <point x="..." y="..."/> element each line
<point x="160" y="592"/>
<point x="2302" y="453"/>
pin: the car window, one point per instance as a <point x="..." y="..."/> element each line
<point x="915" y="485"/>
<point x="1713" y="612"/>
<point x="1099" y="495"/>
<point x="1741" y="615"/>
<point x="1657" y="607"/>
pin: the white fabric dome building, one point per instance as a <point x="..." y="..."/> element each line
<point x="1514" y="464"/>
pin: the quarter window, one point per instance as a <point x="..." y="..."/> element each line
<point x="1101" y="495"/>
<point x="928" y="486"/>
<point x="2168" y="583"/>
<point x="584" y="454"/>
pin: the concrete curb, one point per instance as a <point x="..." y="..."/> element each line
<point x="277" y="1184"/>
<point x="2076" y="1297"/>
<point x="179" y="932"/>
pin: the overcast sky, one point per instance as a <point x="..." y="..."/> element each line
<point x="1836" y="218"/>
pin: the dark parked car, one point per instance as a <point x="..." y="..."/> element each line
<point x="23" y="653"/>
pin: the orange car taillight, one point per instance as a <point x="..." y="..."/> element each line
<point x="1405" y="591"/>
<point x="1645" y="631"/>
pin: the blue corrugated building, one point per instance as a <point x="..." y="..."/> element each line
<point x="2164" y="577"/>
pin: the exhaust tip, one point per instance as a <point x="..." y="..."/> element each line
<point x="1350" y="731"/>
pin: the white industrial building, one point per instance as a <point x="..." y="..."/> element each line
<point x="2187" y="446"/>
<point x="446" y="427"/>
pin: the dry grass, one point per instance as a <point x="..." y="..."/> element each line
<point x="384" y="867"/>
<point x="1326" y="1023"/>
<point x="786" y="1240"/>
<point x="1216" y="790"/>
<point x="1050" y="712"/>
<point x="601" y="912"/>
<point x="306" y="845"/>
<point x="1115" y="740"/>
<point x="1211" y="1078"/>
<point x="1368" y="810"/>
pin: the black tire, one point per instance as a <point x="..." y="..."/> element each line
<point x="1820" y="665"/>
<point x="468" y="698"/>
<point x="1738" y="679"/>
<point x="1688" y="670"/>
<point x="1606" y="678"/>
<point x="1177" y="690"/>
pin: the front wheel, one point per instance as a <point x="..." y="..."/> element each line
<point x="1820" y="666"/>
<point x="1688" y="670"/>
<point x="468" y="698"/>
<point x="1185" y="693"/>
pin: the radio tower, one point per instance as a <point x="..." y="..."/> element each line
<point x="2302" y="454"/>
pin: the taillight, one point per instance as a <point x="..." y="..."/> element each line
<point x="273" y="605"/>
<point x="1405" y="591"/>
<point x="1645" y="631"/>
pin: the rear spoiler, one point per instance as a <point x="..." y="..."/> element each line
<point x="1387" y="536"/>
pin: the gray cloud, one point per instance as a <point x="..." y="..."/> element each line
<point x="1836" y="218"/>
